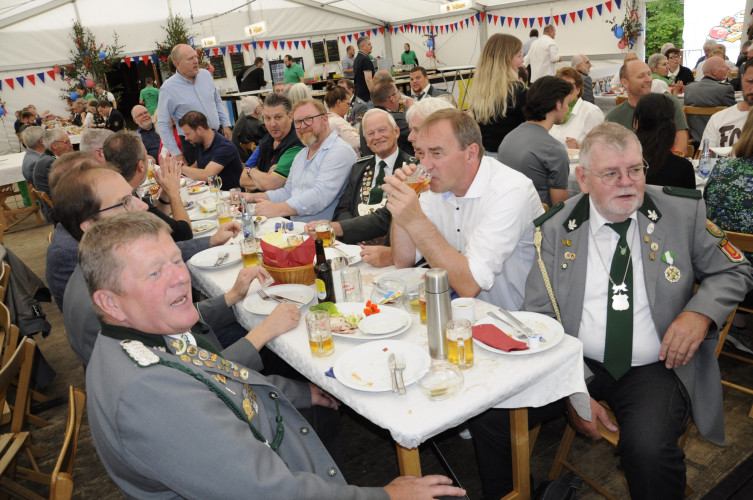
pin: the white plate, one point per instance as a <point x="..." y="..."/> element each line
<point x="202" y="189"/>
<point x="268" y="226"/>
<point x="206" y="258"/>
<point x="551" y="331"/>
<point x="385" y="322"/>
<point x="202" y="227"/>
<point x="351" y="252"/>
<point x="348" y="308"/>
<point x="365" y="367"/>
<point x="413" y="276"/>
<point x="301" y="293"/>
<point x="721" y="151"/>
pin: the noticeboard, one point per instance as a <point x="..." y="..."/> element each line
<point x="320" y="56"/>
<point x="237" y="62"/>
<point x="219" y="67"/>
<point x="333" y="51"/>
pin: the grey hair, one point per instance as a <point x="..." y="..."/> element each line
<point x="608" y="134"/>
<point x="654" y="60"/>
<point x="376" y="111"/>
<point x="427" y="106"/>
<point x="94" y="138"/>
<point x="249" y="104"/>
<point x="708" y="44"/>
<point x="577" y="60"/>
<point x="52" y="135"/>
<point x="362" y="40"/>
<point x="666" y="47"/>
<point x="297" y="92"/>
<point x="31" y="135"/>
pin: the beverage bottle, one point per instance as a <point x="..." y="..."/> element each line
<point x="247" y="225"/>
<point x="325" y="287"/>
<point x="596" y="87"/>
<point x="608" y="83"/>
<point x="706" y="163"/>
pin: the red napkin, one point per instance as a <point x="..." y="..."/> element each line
<point x="301" y="255"/>
<point x="494" y="337"/>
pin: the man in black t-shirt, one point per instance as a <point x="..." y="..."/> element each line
<point x="215" y="154"/>
<point x="363" y="70"/>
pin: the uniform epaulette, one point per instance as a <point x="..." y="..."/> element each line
<point x="364" y="158"/>
<point x="543" y="217"/>
<point x="682" y="192"/>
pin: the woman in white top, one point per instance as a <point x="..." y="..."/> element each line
<point x="338" y="103"/>
<point x="582" y="117"/>
<point x="659" y="66"/>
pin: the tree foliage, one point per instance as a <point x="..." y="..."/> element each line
<point x="176" y="33"/>
<point x="664" y="23"/>
<point x="86" y="61"/>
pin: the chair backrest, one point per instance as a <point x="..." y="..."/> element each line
<point x="4" y="277"/>
<point x="61" y="481"/>
<point x="10" y="335"/>
<point x="699" y="110"/>
<point x="19" y="364"/>
<point x="620" y="99"/>
<point x="743" y="242"/>
<point x="42" y="196"/>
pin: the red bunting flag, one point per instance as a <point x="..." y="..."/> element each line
<point x="572" y="16"/>
<point x="509" y="22"/>
<point x="496" y="18"/>
<point x="342" y="37"/>
<point x="51" y="73"/>
<point x="472" y="20"/>
<point x="31" y="79"/>
<point x="609" y="5"/>
<point x="275" y="44"/>
<point x="9" y="81"/>
<point x="355" y="35"/>
<point x="145" y="59"/>
<point x="216" y="51"/>
<point x="590" y="11"/>
<point x="402" y="29"/>
<point x="290" y="44"/>
<point x="557" y="20"/>
<point x="245" y="46"/>
<point x="127" y="60"/>
<point x="483" y="16"/>
<point x="540" y="21"/>
<point x="303" y="43"/>
<point x="231" y="48"/>
<point x="525" y="22"/>
<point x="381" y="30"/>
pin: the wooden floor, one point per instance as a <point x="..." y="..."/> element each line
<point x="369" y="451"/>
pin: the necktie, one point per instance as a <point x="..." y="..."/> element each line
<point x="376" y="191"/>
<point x="420" y="96"/>
<point x="618" y="345"/>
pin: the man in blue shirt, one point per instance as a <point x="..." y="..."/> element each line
<point x="189" y="89"/>
<point x="215" y="153"/>
<point x="319" y="172"/>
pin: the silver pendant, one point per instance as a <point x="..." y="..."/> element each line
<point x="620" y="302"/>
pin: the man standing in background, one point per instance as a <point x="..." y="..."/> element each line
<point x="149" y="95"/>
<point x="543" y="54"/>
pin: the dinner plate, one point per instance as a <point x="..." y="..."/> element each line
<point x="268" y="226"/>
<point x="347" y="308"/>
<point x="549" y="329"/>
<point x="413" y="276"/>
<point x="300" y="293"/>
<point x="198" y="190"/>
<point x="204" y="226"/>
<point x="206" y="258"/>
<point x="719" y="151"/>
<point x="365" y="367"/>
<point x="350" y="252"/>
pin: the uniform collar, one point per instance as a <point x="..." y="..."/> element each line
<point x="582" y="211"/>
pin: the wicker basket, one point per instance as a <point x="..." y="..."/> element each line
<point x="303" y="275"/>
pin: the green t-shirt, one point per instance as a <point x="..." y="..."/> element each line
<point x="150" y="96"/>
<point x="623" y="114"/>
<point x="293" y="74"/>
<point x="286" y="161"/>
<point x="408" y="57"/>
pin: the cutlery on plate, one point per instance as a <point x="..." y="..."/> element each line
<point x="266" y="296"/>
<point x="518" y="334"/>
<point x="222" y="257"/>
<point x="399" y="367"/>
<point x="393" y="367"/>
<point x="516" y="322"/>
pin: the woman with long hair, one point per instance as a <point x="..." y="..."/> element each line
<point x="654" y="125"/>
<point x="338" y="103"/>
<point x="497" y="96"/>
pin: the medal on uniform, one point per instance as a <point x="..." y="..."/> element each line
<point x="192" y="350"/>
<point x="650" y="228"/>
<point x="619" y="300"/>
<point x="672" y="274"/>
<point x="178" y="345"/>
<point x="248" y="409"/>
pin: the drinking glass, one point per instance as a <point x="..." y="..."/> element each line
<point x="325" y="232"/>
<point x="223" y="212"/>
<point x="419" y="179"/>
<point x="235" y="197"/>
<point x="459" y="343"/>
<point x="215" y="184"/>
<point x="250" y="252"/>
<point x="389" y="291"/>
<point x="319" y="334"/>
<point x="352" y="282"/>
<point x="422" y="303"/>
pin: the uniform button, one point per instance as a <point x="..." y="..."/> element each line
<point x="331" y="472"/>
<point x="304" y="430"/>
<point x="273" y="395"/>
<point x="458" y="230"/>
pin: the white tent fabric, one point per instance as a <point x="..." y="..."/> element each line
<point x="32" y="46"/>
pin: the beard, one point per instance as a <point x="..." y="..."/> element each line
<point x="309" y="138"/>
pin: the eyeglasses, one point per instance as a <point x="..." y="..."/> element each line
<point x="306" y="121"/>
<point x="611" y="178"/>
<point x="127" y="203"/>
<point x="675" y="56"/>
<point x="143" y="115"/>
<point x="67" y="141"/>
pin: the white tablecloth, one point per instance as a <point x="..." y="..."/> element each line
<point x="10" y="168"/>
<point x="494" y="380"/>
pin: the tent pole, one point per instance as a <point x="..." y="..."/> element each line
<point x="482" y="34"/>
<point x="388" y="43"/>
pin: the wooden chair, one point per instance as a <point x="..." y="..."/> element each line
<point x="248" y="147"/>
<point x="61" y="479"/>
<point x="698" y="110"/>
<point x="12" y="216"/>
<point x="620" y="99"/>
<point x="41" y="196"/>
<point x="4" y="277"/>
<point x="744" y="243"/>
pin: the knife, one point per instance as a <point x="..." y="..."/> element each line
<point x="522" y="337"/>
<point x="285" y="299"/>
<point x="516" y="322"/>
<point x="393" y="368"/>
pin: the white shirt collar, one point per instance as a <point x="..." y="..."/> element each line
<point x="390" y="161"/>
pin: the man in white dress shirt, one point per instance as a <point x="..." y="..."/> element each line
<point x="477" y="220"/>
<point x="543" y="54"/>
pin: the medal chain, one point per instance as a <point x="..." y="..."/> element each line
<point x="603" y="263"/>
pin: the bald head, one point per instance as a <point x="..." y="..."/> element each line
<point x="141" y="117"/>
<point x="715" y="67"/>
<point x="185" y="60"/>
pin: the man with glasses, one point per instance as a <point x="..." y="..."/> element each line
<point x="146" y="131"/>
<point x="318" y="174"/>
<point x="384" y="95"/>
<point x="622" y="260"/>
<point x="56" y="143"/>
<point x="268" y="167"/>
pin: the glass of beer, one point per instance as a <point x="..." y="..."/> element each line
<point x="422" y="302"/>
<point x="215" y="184"/>
<point x="150" y="169"/>
<point x="419" y="179"/>
<point x="235" y="197"/>
<point x="319" y="334"/>
<point x="223" y="212"/>
<point x="459" y="343"/>
<point x="250" y="252"/>
<point x="154" y="192"/>
<point x="325" y="232"/>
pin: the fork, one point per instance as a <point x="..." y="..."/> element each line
<point x="221" y="258"/>
<point x="265" y="296"/>
<point x="399" y="367"/>
<point x="393" y="366"/>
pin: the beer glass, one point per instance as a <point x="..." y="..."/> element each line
<point x="250" y="252"/>
<point x="459" y="343"/>
<point x="319" y="334"/>
<point x="325" y="232"/>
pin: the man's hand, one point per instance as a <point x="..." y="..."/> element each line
<point x="168" y="176"/>
<point x="179" y="158"/>
<point x="310" y="227"/>
<point x="591" y="429"/>
<point x="683" y="338"/>
<point x="678" y="88"/>
<point x="422" y="488"/>
<point x="253" y="197"/>
<point x="284" y="317"/>
<point x="224" y="233"/>
<point x="245" y="277"/>
<point x="227" y="132"/>
<point x="270" y="209"/>
<point x="402" y="201"/>
<point x="320" y="397"/>
<point x="571" y="143"/>
<point x="377" y="256"/>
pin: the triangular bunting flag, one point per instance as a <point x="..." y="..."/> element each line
<point x="20" y="80"/>
<point x="556" y="20"/>
<point x="266" y="44"/>
<point x="223" y="50"/>
<point x="402" y="29"/>
<point x="381" y="31"/>
<point x="363" y="33"/>
<point x="456" y="26"/>
<point x="31" y="79"/>
<point x="564" y="18"/>
<point x="517" y="19"/>
<point x="618" y="3"/>
<point x="1" y="87"/>
<point x="275" y="44"/>
<point x="509" y="22"/>
<point x="303" y="43"/>
<point x="155" y="59"/>
<point x="472" y="21"/>
<point x="546" y="20"/>
<point x="145" y="59"/>
<point x="216" y="51"/>
<point x="350" y="38"/>
<point x="580" y="14"/>
<point x="9" y="81"/>
<point x="478" y="16"/>
<point x="245" y="46"/>
<point x="136" y="60"/>
<point x="52" y="74"/>
<point x="41" y="76"/>
<point x="466" y="23"/>
<point x="590" y="11"/>
<point x="496" y="18"/>
<point x="609" y="5"/>
<point x="237" y="47"/>
<point x="342" y="37"/>
<point x="355" y="35"/>
<point x="290" y="45"/>
<point x="208" y="52"/>
<point x="541" y="21"/>
<point x="231" y="48"/>
<point x="254" y="44"/>
<point x="525" y="22"/>
<point x="296" y="44"/>
<point x="530" y="21"/>
<point x="483" y="16"/>
<point x="572" y="16"/>
<point x="374" y="31"/>
<point x="127" y="60"/>
<point x="598" y="9"/>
